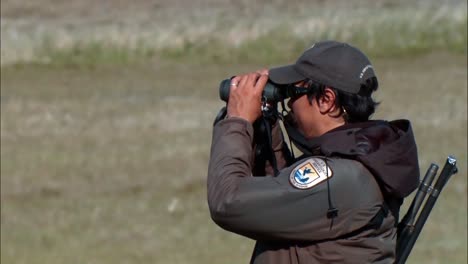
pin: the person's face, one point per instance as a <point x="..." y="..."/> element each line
<point x="314" y="117"/>
<point x="303" y="111"/>
<point x="292" y="100"/>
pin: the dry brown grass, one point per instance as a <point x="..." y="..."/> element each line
<point x="108" y="165"/>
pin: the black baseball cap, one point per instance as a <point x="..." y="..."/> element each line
<point x="331" y="63"/>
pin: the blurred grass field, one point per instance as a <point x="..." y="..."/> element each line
<point x="105" y="145"/>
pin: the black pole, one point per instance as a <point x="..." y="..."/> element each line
<point x="449" y="169"/>
<point x="406" y="227"/>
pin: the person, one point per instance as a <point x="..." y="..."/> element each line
<point x="339" y="201"/>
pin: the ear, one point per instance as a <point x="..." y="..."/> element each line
<point x="326" y="103"/>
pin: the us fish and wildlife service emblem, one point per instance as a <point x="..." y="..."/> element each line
<point x="310" y="173"/>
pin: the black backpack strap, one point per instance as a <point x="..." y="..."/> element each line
<point x="394" y="205"/>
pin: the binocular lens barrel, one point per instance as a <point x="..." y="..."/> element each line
<point x="271" y="92"/>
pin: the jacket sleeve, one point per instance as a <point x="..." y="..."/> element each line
<point x="269" y="208"/>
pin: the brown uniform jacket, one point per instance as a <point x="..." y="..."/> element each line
<point x="290" y="223"/>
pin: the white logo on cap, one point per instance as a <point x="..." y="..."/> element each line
<point x="364" y="70"/>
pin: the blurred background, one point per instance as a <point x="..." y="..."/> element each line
<point x="107" y="110"/>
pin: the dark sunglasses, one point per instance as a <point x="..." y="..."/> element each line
<point x="295" y="92"/>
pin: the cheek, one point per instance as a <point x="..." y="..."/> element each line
<point x="291" y="103"/>
<point x="299" y="113"/>
<point x="300" y="104"/>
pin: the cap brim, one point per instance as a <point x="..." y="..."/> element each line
<point x="285" y="75"/>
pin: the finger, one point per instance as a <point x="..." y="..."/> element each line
<point x="235" y="80"/>
<point x="261" y="82"/>
<point x="243" y="81"/>
<point x="252" y="79"/>
<point x="263" y="71"/>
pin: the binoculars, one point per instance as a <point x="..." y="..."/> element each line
<point x="271" y="92"/>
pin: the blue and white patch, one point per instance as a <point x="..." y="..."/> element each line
<point x="310" y="173"/>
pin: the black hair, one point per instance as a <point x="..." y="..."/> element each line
<point x="354" y="107"/>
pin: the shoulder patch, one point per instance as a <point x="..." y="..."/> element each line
<point x="310" y="173"/>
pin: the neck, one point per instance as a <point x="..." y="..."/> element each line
<point x="323" y="127"/>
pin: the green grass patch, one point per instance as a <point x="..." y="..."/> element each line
<point x="269" y="48"/>
<point x="402" y="31"/>
<point x="387" y="39"/>
<point x="92" y="54"/>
